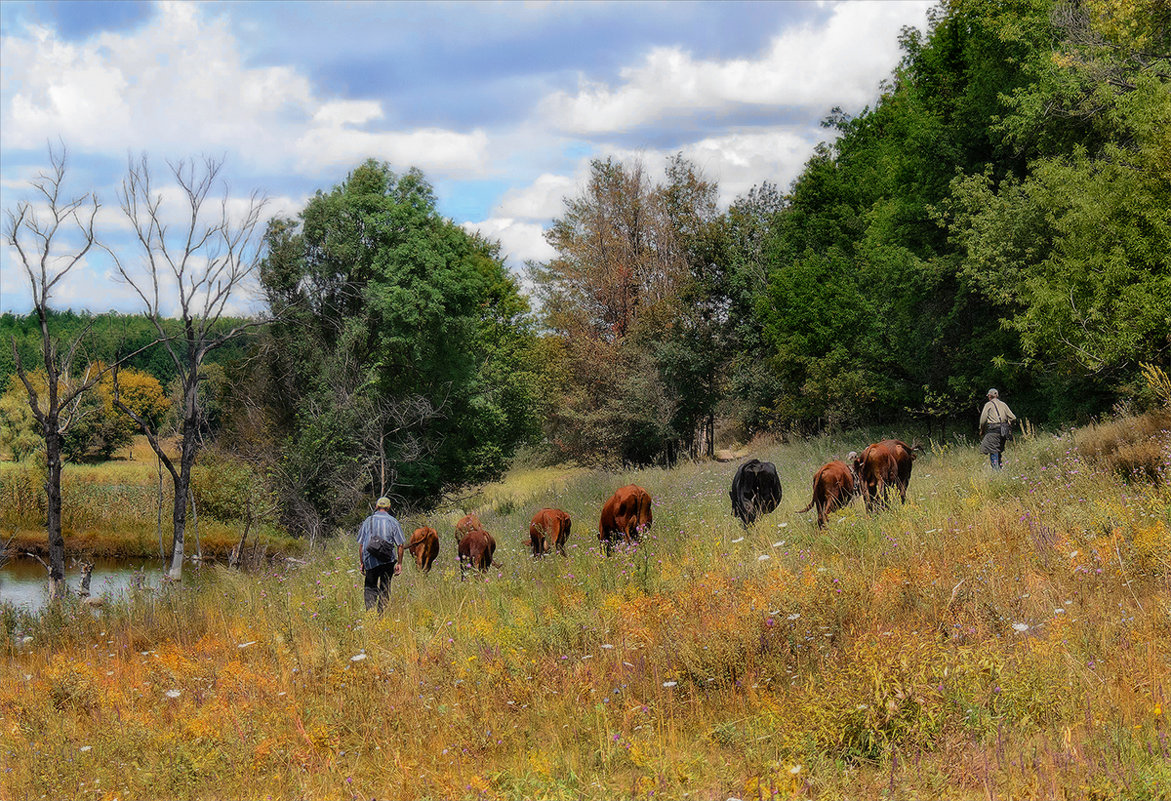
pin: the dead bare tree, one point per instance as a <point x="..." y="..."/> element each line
<point x="190" y="271"/>
<point x="51" y="237"/>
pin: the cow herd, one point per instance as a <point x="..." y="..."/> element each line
<point x="869" y="474"/>
<point x="756" y="491"/>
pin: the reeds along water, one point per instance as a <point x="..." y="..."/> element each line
<point x="1003" y="632"/>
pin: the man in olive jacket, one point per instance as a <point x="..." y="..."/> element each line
<point x="995" y="422"/>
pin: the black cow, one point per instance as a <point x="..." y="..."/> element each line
<point x="756" y="490"/>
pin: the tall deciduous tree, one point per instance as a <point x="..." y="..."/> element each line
<point x="403" y="361"/>
<point x="191" y="270"/>
<point x="636" y="294"/>
<point x="51" y="237"/>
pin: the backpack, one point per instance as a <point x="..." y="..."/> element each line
<point x="380" y="545"/>
<point x="1003" y="427"/>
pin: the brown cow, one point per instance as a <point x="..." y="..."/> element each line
<point x="475" y="550"/>
<point x="882" y="464"/>
<point x="627" y="513"/>
<point x="833" y="488"/>
<point x="466" y="524"/>
<point x="424" y="546"/>
<point x="549" y="529"/>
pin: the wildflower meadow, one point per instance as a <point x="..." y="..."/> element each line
<point x="1002" y="634"/>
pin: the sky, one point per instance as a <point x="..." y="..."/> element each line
<point x="501" y="104"/>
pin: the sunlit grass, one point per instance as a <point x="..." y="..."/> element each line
<point x="115" y="508"/>
<point x="1002" y="634"/>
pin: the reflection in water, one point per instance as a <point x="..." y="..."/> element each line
<point x="23" y="582"/>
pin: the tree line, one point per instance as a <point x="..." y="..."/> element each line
<point x="1001" y="216"/>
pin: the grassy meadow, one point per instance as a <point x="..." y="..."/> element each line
<point x="1000" y="635"/>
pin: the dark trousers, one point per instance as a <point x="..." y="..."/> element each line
<point x="377" y="589"/>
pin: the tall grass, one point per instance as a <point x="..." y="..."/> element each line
<point x="1000" y="634"/>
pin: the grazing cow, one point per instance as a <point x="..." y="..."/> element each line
<point x="466" y="524"/>
<point x="475" y="550"/>
<point x="549" y="529"/>
<point x="756" y="490"/>
<point x="424" y="546"/>
<point x="881" y="465"/>
<point x="833" y="488"/>
<point x="626" y="514"/>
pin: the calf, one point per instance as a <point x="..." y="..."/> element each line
<point x="833" y="488"/>
<point x="882" y="464"/>
<point x="549" y="529"/>
<point x="475" y="550"/>
<point x="756" y="490"/>
<point x="424" y="546"/>
<point x="626" y="514"/>
<point x="466" y="524"/>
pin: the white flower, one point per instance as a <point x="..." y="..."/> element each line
<point x="357" y="657"/>
<point x="1020" y="628"/>
<point x="783" y="525"/>
<point x="1059" y="611"/>
<point x="795" y="769"/>
<point x="793" y="616"/>
<point x="607" y="646"/>
<point x="738" y="539"/>
<point x="627" y="664"/>
<point x="1072" y="554"/>
<point x="763" y="557"/>
<point x="85" y="748"/>
<point x="173" y="693"/>
<point x="778" y="544"/>
<point x="246" y="644"/>
<point x="670" y="683"/>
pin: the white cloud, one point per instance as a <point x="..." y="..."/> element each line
<point x="180" y="85"/>
<point x="837" y="63"/>
<point x="738" y="161"/>
<point x="520" y="241"/>
<point x="434" y="150"/>
<point x="348" y="112"/>
<point x="540" y="200"/>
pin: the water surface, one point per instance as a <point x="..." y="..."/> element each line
<point x="24" y="582"/>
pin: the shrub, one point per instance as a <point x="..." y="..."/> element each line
<point x="1136" y="447"/>
<point x="226" y="488"/>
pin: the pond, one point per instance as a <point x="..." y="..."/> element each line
<point x="24" y="582"/>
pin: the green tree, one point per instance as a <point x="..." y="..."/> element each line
<point x="403" y="359"/>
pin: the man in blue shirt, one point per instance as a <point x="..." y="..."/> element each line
<point x="378" y="540"/>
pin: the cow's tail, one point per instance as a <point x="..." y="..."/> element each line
<point x="813" y="501"/>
